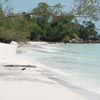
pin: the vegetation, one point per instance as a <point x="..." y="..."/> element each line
<point x="87" y="9"/>
<point x="46" y="23"/>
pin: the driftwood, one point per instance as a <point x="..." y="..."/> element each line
<point x="25" y="66"/>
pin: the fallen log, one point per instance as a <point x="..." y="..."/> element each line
<point x="25" y="66"/>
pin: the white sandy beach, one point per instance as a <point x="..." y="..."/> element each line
<point x="30" y="84"/>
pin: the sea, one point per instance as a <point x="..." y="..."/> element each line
<point x="76" y="66"/>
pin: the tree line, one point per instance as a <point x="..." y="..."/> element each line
<point x="46" y="23"/>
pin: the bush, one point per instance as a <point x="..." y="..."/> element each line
<point x="66" y="39"/>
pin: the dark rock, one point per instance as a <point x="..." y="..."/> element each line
<point x="23" y="69"/>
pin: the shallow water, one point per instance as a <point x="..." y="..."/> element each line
<point x="78" y="64"/>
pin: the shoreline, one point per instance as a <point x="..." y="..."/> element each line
<point x="31" y="83"/>
<point x="36" y="43"/>
<point x="46" y="42"/>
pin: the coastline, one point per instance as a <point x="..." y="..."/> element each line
<point x="16" y="84"/>
<point x="45" y="43"/>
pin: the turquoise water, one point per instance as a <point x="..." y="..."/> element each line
<point x="79" y="64"/>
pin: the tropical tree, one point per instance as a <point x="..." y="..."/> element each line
<point x="46" y="23"/>
<point x="88" y="31"/>
<point x="87" y="9"/>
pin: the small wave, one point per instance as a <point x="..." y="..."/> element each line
<point x="44" y="50"/>
<point x="77" y="84"/>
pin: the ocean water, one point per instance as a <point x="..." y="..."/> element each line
<point x="78" y="64"/>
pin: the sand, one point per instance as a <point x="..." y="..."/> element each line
<point x="30" y="84"/>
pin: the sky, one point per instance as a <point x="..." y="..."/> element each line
<point x="28" y="5"/>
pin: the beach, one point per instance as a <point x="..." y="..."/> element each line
<point x="28" y="84"/>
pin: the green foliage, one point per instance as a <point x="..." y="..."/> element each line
<point x="66" y="39"/>
<point x="48" y="23"/>
<point x="75" y="35"/>
<point x="88" y="30"/>
<point x="87" y="9"/>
